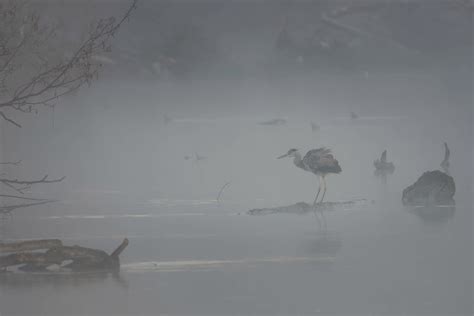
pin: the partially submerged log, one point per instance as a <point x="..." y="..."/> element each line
<point x="83" y="259"/>
<point x="301" y="208"/>
<point x="29" y="245"/>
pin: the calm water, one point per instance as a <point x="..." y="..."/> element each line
<point x="197" y="257"/>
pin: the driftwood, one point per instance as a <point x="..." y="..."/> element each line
<point x="301" y="208"/>
<point x="30" y="245"/>
<point x="83" y="259"/>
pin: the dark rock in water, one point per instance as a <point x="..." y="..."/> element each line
<point x="432" y="188"/>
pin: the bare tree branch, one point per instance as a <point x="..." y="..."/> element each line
<point x="9" y="119"/>
<point x="42" y="180"/>
<point x="49" y="82"/>
<point x="22" y="198"/>
<point x="21" y="185"/>
<point x="10" y="208"/>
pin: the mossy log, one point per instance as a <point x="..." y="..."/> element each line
<point x="29" y="245"/>
<point x="83" y="259"/>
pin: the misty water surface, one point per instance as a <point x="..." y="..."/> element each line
<point x="122" y="144"/>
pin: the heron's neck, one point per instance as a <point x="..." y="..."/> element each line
<point x="298" y="161"/>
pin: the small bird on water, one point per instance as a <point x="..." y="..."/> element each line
<point x="318" y="161"/>
<point x="314" y="127"/>
<point x="382" y="165"/>
<point x="196" y="157"/>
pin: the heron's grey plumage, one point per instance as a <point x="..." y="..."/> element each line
<point x="320" y="161"/>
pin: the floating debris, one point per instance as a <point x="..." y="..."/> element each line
<point x="275" y="122"/>
<point x="302" y="208"/>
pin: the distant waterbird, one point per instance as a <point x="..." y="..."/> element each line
<point x="318" y="161"/>
<point x="167" y="119"/>
<point x="382" y="165"/>
<point x="196" y="157"/>
<point x="354" y="116"/>
<point x="445" y="163"/>
<point x="314" y="127"/>
<point x="275" y="122"/>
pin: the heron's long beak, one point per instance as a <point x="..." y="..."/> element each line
<point x="283" y="156"/>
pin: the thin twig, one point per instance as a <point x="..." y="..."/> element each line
<point x="42" y="180"/>
<point x="21" y="197"/>
<point x="10" y="208"/>
<point x="9" y="120"/>
<point x="221" y="190"/>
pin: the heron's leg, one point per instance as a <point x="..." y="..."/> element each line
<point x="320" y="202"/>
<point x="324" y="191"/>
<point x="315" y="205"/>
<point x="319" y="190"/>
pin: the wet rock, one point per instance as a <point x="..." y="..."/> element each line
<point x="432" y="188"/>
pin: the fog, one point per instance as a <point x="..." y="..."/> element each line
<point x="128" y="144"/>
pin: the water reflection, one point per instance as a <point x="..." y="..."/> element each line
<point x="434" y="214"/>
<point x="29" y="280"/>
<point x="327" y="243"/>
<point x="383" y="174"/>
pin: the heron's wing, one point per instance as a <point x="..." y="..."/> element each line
<point x="316" y="153"/>
<point x="328" y="164"/>
<point x="321" y="160"/>
<point x="383" y="158"/>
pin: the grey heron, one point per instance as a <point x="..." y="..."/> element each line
<point x="318" y="161"/>
<point x="445" y="163"/>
